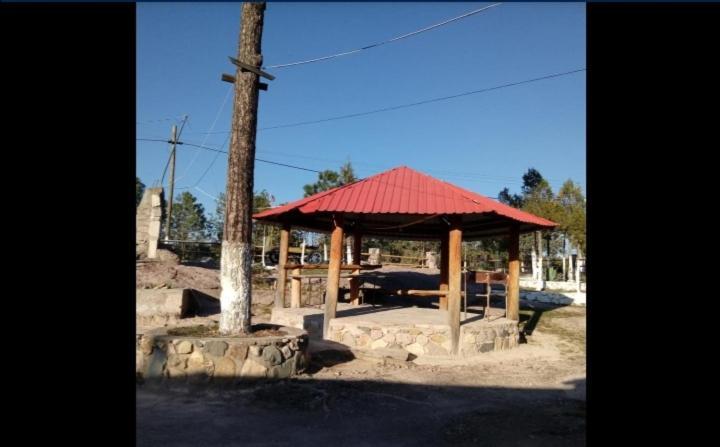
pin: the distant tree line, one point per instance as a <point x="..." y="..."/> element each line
<point x="566" y="207"/>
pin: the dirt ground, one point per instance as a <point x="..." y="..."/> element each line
<point x="533" y="395"/>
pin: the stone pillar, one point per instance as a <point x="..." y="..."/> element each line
<point x="374" y="256"/>
<point x="147" y="221"/>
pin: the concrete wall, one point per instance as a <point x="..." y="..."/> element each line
<point x="161" y="306"/>
<point x="147" y="222"/>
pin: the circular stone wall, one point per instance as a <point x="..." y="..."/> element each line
<point x="431" y="340"/>
<point x="160" y="357"/>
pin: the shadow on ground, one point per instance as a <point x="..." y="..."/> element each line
<point x="309" y="412"/>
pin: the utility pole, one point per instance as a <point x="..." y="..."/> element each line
<point x="171" y="184"/>
<point x="237" y="250"/>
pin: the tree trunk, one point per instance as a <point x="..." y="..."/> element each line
<point x="571" y="270"/>
<point x="579" y="267"/>
<point x="533" y="261"/>
<point x="538" y="241"/>
<point x="237" y="250"/>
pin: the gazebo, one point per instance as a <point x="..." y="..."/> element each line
<point x="404" y="204"/>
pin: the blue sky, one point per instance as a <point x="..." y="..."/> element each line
<point x="482" y="142"/>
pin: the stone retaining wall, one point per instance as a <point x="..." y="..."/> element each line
<point x="426" y="339"/>
<point x="164" y="358"/>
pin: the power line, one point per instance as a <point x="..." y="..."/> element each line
<point x="447" y="174"/>
<point x="413" y="104"/>
<point x="212" y="126"/>
<point x="225" y="152"/>
<point x="211" y="163"/>
<point x="427" y="101"/>
<point x="317" y="171"/>
<point x="394" y="39"/>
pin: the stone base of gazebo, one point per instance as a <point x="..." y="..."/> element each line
<point x="420" y="331"/>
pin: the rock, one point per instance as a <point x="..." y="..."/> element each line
<point x="363" y="341"/>
<point x="215" y="348"/>
<point x="224" y="367"/>
<point x="376" y="334"/>
<point x="434" y="349"/>
<point x="209" y="367"/>
<point x="156" y="364"/>
<point x="175" y="361"/>
<point x="348" y="339"/>
<point x="139" y="362"/>
<point x="421" y="339"/>
<point x="167" y="257"/>
<point x="437" y="338"/>
<point x="286" y="352"/>
<point x="487" y="347"/>
<point x="271" y="355"/>
<point x="195" y="361"/>
<point x="415" y="348"/>
<point x="415" y="331"/>
<point x="336" y="336"/>
<point x="404" y="338"/>
<point x="183" y="347"/>
<point x="389" y="338"/>
<point x="284" y="370"/>
<point x="256" y="351"/>
<point x="377" y="344"/>
<point x="238" y="352"/>
<point x="146" y="345"/>
<point x="253" y="369"/>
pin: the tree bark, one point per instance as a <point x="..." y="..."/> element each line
<point x="237" y="250"/>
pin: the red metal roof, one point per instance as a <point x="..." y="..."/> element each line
<point x="403" y="191"/>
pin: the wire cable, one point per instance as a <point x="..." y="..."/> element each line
<point x="427" y="101"/>
<point x="394" y="39"/>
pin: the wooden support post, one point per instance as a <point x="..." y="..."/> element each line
<point x="355" y="282"/>
<point x="454" y="281"/>
<point x="442" y="303"/>
<point x="281" y="272"/>
<point x="512" y="310"/>
<point x="333" y="279"/>
<point x="295" y="289"/>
